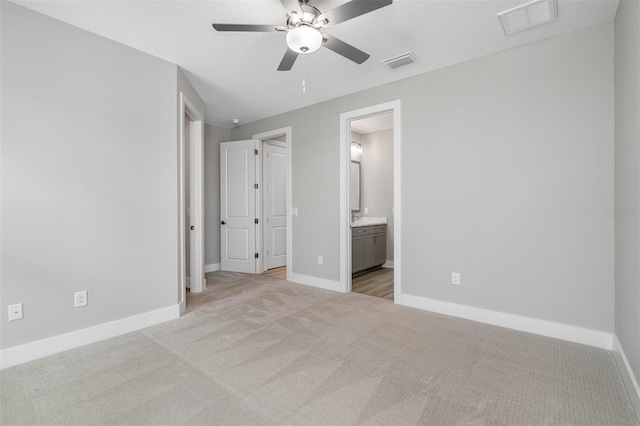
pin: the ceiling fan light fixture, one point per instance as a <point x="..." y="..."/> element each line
<point x="304" y="39"/>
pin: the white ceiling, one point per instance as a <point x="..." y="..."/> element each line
<point x="235" y="73"/>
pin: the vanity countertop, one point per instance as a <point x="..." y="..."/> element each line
<point x="368" y="221"/>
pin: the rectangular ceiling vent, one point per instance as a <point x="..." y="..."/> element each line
<point x="400" y="60"/>
<point x="529" y="15"/>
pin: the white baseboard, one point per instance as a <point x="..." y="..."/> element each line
<point x="600" y="339"/>
<point x="212" y="267"/>
<point x="628" y="377"/>
<point x="388" y="264"/>
<point x="315" y="282"/>
<point x="41" y="348"/>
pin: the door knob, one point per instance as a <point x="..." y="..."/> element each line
<point x="192" y="227"/>
<point x="223" y="223"/>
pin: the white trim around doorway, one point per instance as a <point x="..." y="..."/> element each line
<point x="196" y="123"/>
<point x="345" y="215"/>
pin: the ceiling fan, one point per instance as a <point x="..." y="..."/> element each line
<point x="304" y="24"/>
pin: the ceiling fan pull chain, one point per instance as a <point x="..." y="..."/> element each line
<point x="304" y="73"/>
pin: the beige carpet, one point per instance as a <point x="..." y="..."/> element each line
<point x="257" y="350"/>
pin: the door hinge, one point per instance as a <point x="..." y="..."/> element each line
<point x="256" y="221"/>
<point x="255" y="151"/>
<point x="257" y="255"/>
<point x="255" y="185"/>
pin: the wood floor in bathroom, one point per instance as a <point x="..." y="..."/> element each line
<point x="378" y="283"/>
<point x="279" y="273"/>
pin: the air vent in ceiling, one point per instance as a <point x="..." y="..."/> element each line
<point x="400" y="60"/>
<point x="529" y="15"/>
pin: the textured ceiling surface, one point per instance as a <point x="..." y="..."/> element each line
<point x="235" y="73"/>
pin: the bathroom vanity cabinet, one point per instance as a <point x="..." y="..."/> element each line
<point x="368" y="247"/>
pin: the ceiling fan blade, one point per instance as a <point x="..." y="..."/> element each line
<point x="291" y="6"/>
<point x="242" y="27"/>
<point x="288" y="60"/>
<point x="351" y="10"/>
<point x="344" y="49"/>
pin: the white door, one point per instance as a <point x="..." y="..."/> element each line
<point x="275" y="205"/>
<point x="238" y="206"/>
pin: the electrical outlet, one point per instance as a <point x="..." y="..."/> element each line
<point x="15" y="312"/>
<point x="455" y="278"/>
<point x="366" y="210"/>
<point x="80" y="298"/>
<point x="294" y="211"/>
<point x="320" y="260"/>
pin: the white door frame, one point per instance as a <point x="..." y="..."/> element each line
<point x="286" y="132"/>
<point x="345" y="215"/>
<point x="196" y="134"/>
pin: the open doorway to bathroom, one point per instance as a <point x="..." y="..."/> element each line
<point x="371" y="205"/>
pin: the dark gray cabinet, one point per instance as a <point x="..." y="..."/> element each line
<point x="368" y="247"/>
<point x="356" y="254"/>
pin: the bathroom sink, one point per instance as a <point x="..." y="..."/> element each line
<point x="369" y="220"/>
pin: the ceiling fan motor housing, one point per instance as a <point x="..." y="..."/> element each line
<point x="308" y="16"/>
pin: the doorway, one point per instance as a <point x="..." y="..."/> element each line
<point x="274" y="207"/>
<point x="371" y="205"/>
<point x="255" y="204"/>
<point x="368" y="237"/>
<point x="275" y="202"/>
<point x="191" y="201"/>
<point x="187" y="201"/>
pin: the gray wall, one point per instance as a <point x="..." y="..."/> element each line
<point x="213" y="136"/>
<point x="627" y="181"/>
<point x="89" y="172"/>
<point x="377" y="179"/>
<point x="507" y="169"/>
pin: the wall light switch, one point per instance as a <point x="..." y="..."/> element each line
<point x="366" y="210"/>
<point x="320" y="260"/>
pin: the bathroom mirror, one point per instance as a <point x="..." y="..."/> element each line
<point x="354" y="186"/>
